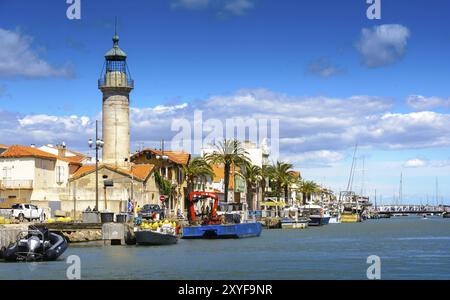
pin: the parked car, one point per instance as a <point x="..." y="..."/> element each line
<point x="28" y="212"/>
<point x="148" y="210"/>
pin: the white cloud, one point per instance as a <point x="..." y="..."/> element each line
<point x="323" y="68"/>
<point x="18" y="59"/>
<point x="314" y="131"/>
<point x="190" y="4"/>
<point x="416" y="163"/>
<point x="222" y="7"/>
<point x="238" y="7"/>
<point x="383" y="45"/>
<point x="419" y="102"/>
<point x="321" y="158"/>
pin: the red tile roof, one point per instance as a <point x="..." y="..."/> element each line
<point x="179" y="157"/>
<point x="3" y="146"/>
<point x="138" y="172"/>
<point x="16" y="151"/>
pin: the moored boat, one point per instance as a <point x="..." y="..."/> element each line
<point x="36" y="244"/>
<point x="154" y="238"/>
<point x="288" y="223"/>
<point x="223" y="231"/>
<point x="316" y="215"/>
<point x="206" y="223"/>
<point x="335" y="219"/>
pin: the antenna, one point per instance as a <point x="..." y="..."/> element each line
<point x="115" y="26"/>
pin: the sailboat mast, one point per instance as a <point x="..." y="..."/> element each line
<point x="350" y="179"/>
<point x="437" y="196"/>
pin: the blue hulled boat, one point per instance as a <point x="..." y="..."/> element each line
<point x="223" y="231"/>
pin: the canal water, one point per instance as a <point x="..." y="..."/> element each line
<point x="409" y="248"/>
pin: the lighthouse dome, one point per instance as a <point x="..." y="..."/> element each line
<point x="116" y="53"/>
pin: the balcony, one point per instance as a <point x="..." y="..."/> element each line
<point x="16" y="184"/>
<point x="115" y="83"/>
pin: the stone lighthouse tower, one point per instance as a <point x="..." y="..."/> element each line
<point x="116" y="85"/>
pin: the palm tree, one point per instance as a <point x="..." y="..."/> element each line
<point x="307" y="189"/>
<point x="198" y="167"/>
<point x="266" y="173"/>
<point x="251" y="175"/>
<point x="228" y="153"/>
<point x="283" y="177"/>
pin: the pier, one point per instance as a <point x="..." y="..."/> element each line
<point x="410" y="209"/>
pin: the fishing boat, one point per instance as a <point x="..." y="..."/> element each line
<point x="35" y="244"/>
<point x="158" y="233"/>
<point x="293" y="220"/>
<point x="206" y="223"/>
<point x="288" y="223"/>
<point x="316" y="215"/>
<point x="155" y="238"/>
<point x="351" y="212"/>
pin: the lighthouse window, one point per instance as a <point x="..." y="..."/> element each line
<point x="115" y="66"/>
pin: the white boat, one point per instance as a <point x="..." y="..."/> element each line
<point x="292" y="219"/>
<point x="335" y="219"/>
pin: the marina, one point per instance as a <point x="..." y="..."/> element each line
<point x="410" y="248"/>
<point x="224" y="140"/>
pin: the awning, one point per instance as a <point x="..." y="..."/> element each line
<point x="273" y="204"/>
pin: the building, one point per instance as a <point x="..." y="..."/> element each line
<point x="137" y="184"/>
<point x="62" y="151"/>
<point x="169" y="165"/>
<point x="116" y="84"/>
<point x="258" y="156"/>
<point x="34" y="176"/>
<point x="117" y="180"/>
<point x="295" y="195"/>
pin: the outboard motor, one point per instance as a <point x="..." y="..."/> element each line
<point x="33" y="244"/>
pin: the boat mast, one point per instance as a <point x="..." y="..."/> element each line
<point x="437" y="197"/>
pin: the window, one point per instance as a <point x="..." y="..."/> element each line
<point x="60" y="174"/>
<point x="6" y="173"/>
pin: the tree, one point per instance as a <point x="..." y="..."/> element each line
<point x="282" y="175"/>
<point x="308" y="188"/>
<point x="228" y="153"/>
<point x="251" y="175"/>
<point x="266" y="174"/>
<point x="198" y="167"/>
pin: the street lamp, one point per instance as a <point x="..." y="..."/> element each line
<point x="97" y="145"/>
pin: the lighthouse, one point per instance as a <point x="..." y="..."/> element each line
<point x="116" y="84"/>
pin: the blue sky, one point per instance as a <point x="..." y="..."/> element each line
<point x="287" y="51"/>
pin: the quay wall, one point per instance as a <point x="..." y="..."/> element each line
<point x="8" y="233"/>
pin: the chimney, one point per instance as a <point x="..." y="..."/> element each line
<point x="62" y="150"/>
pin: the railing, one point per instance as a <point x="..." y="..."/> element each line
<point x="104" y="83"/>
<point x="16" y="184"/>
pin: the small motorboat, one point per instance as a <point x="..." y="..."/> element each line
<point x="36" y="244"/>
